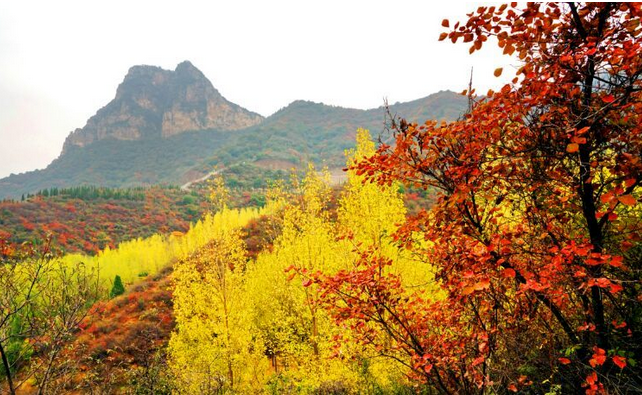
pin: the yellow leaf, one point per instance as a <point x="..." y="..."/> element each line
<point x="573" y="147"/>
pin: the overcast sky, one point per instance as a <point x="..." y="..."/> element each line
<point x="60" y="61"/>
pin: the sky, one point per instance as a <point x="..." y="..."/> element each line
<point x="62" y="61"/>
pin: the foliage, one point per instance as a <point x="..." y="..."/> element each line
<point x="535" y="233"/>
<point x="42" y="305"/>
<point x="268" y="315"/>
<point x="152" y="378"/>
<point x="88" y="219"/>
<point x="90" y="192"/>
<point x="149" y="256"/>
<point x="522" y="274"/>
<point x="247" y="176"/>
<point x="209" y="351"/>
<point x="120" y="343"/>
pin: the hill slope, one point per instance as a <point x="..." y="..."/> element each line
<point x="306" y="131"/>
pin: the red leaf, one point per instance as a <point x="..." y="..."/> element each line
<point x="573" y="147"/>
<point x="307" y="282"/>
<point x="583" y="130"/>
<point x="620" y="325"/>
<point x="591" y="378"/>
<point x="468" y="290"/>
<point x="627" y="200"/>
<point x="478" y="360"/>
<point x="630" y="182"/>
<point x="483" y="284"/>
<point x="599" y="357"/>
<point x="445" y="23"/>
<point x="579" y="140"/>
<point x="607" y="197"/>
<point x="619" y="361"/>
<point x="564" y="361"/>
<point x="498" y="71"/>
<point x="508" y="273"/>
<point x="608" y="99"/>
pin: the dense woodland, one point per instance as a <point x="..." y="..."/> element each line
<point x="497" y="253"/>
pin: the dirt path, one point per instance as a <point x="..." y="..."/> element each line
<point x="185" y="187"/>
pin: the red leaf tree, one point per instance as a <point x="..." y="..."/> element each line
<point x="536" y="233"/>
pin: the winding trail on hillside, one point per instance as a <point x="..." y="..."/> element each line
<point x="187" y="185"/>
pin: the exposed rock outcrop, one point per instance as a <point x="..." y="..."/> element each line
<point x="155" y="103"/>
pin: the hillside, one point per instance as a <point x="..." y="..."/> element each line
<point x="117" y="163"/>
<point x="307" y="131"/>
<point x="170" y="127"/>
<point x="89" y="219"/>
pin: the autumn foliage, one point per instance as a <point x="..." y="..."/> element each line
<point x="535" y="235"/>
<point x="118" y="340"/>
<point x="86" y="220"/>
<point x="522" y="274"/>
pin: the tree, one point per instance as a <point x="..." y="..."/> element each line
<point x="212" y="350"/>
<point x="118" y="288"/>
<point x="369" y="213"/>
<point x="64" y="294"/>
<point x="39" y="315"/>
<point x="18" y="282"/>
<point x="536" y="232"/>
<point x="293" y="327"/>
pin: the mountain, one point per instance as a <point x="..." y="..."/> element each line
<point x="307" y="131"/>
<point x="170" y="127"/>
<point x="152" y="103"/>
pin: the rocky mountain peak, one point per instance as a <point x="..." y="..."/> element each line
<point x="155" y="103"/>
<point x="187" y="68"/>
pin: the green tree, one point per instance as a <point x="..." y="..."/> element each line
<point x="118" y="288"/>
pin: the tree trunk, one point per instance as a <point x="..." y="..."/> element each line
<point x="7" y="369"/>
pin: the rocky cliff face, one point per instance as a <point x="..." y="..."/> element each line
<point x="156" y="103"/>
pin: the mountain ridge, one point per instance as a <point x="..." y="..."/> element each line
<point x="300" y="132"/>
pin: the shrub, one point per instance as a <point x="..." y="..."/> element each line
<point x="118" y="288"/>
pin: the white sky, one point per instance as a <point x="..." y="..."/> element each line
<point x="60" y="61"/>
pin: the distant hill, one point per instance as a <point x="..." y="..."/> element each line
<point x="306" y="131"/>
<point x="117" y="164"/>
<point x="170" y="127"/>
